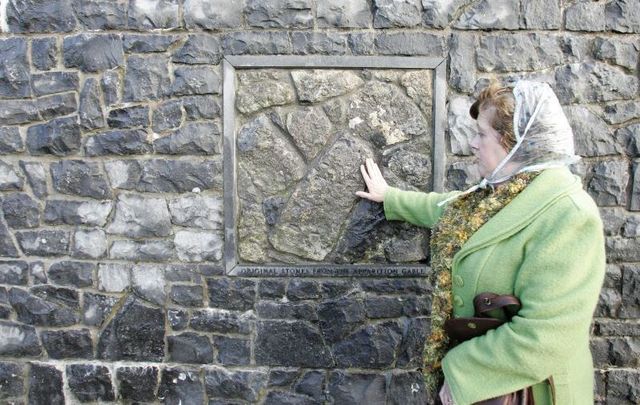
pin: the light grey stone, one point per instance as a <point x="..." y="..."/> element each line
<point x="594" y="82"/>
<point x="38" y="274"/>
<point x="618" y="52"/>
<point x="343" y="14"/>
<point x="199" y="49"/>
<point x="18" y="111"/>
<point x="609" y="183"/>
<point x="198" y="138"/>
<point x="319" y="85"/>
<point x="310" y="129"/>
<point x="634" y="204"/>
<point x="37" y="177"/>
<point x="575" y="48"/>
<point x="93" y="52"/>
<point x="7" y="245"/>
<point x="269" y="159"/>
<point x="195" y="80"/>
<point x="57" y="105"/>
<point x="262" y="89"/>
<point x="592" y="135"/>
<point x="410" y="44"/>
<point x="542" y="14"/>
<point x="70" y="212"/>
<point x="409" y="167"/>
<point x="10" y="140"/>
<point x="613" y="219"/>
<point x="78" y="177"/>
<point x="210" y="16"/>
<point x="90" y="111"/>
<point x="279" y="13"/>
<point x="138" y="216"/>
<point x="153" y="14"/>
<point x="397" y="13"/>
<point x="362" y="43"/>
<point x="111" y="86"/>
<point x="256" y="43"/>
<point x="585" y="16"/>
<point x="623" y="16"/>
<point x="462" y="71"/>
<point x="462" y="128"/>
<point x="629" y="138"/>
<point x="59" y="137"/>
<point x="9" y="178"/>
<point x="193" y="246"/>
<point x="631" y="227"/>
<point x="123" y="174"/>
<point x="197" y="211"/>
<point x="490" y="14"/>
<point x="142" y="251"/>
<point x="621" y="111"/>
<point x="113" y="277"/>
<point x="40" y="16"/>
<point x="418" y="86"/>
<point x="89" y="244"/>
<point x="146" y="78"/>
<point x="307" y="230"/>
<point x="439" y="13"/>
<point x="101" y="14"/>
<point x="322" y="43"/>
<point x="461" y="175"/>
<point x="54" y="82"/>
<point x="385" y="116"/>
<point x="148" y="282"/>
<point x="518" y="52"/>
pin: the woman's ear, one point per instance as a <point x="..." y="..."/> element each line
<point x="474" y="110"/>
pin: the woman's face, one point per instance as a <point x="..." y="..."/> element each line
<point x="486" y="144"/>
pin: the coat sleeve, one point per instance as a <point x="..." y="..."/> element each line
<point x="414" y="207"/>
<point x="558" y="284"/>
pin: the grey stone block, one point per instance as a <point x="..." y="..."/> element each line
<point x="256" y="43"/>
<point x="619" y="112"/>
<point x="352" y="14"/>
<point x="594" y="82"/>
<point x="54" y="82"/>
<point x="90" y="382"/>
<point x="11" y="379"/>
<point x="622" y="16"/>
<point x="592" y="135"/>
<point x="111" y="86"/>
<point x="462" y="51"/>
<point x="36" y="269"/>
<point x="93" y="52"/>
<point x="118" y="142"/>
<point x="279" y="13"/>
<point x="148" y="282"/>
<point x="179" y="176"/>
<point x="178" y="319"/>
<point x="135" y="333"/>
<point x="147" y="16"/>
<point x="238" y="385"/>
<point x="90" y="213"/>
<point x="44" y="242"/>
<point x="486" y="14"/>
<point x="305" y="43"/>
<point x="362" y="43"/>
<point x="60" y="137"/>
<point x="414" y="334"/>
<point x="56" y="105"/>
<point x="623" y="386"/>
<point x="70" y="273"/>
<point x="231" y="293"/>
<point x="14" y="72"/>
<point x="543" y="51"/>
<point x="276" y="345"/>
<point x="123" y="174"/>
<point x="90" y="111"/>
<point x="78" y="177"/>
<point x="629" y="138"/>
<point x="271" y="289"/>
<point x="89" y="244"/>
<point x="137" y="383"/>
<point x="45" y="306"/>
<point x="143" y="251"/>
<point x="220" y="321"/>
<point x="346" y="387"/>
<point x="146" y="78"/>
<point x="623" y="52"/>
<point x="138" y="216"/>
<point x="190" y="348"/>
<point x="65" y="344"/>
<point x="542" y="14"/>
<point x="187" y="295"/>
<point x="167" y="116"/>
<point x="200" y="14"/>
<point x="634" y="203"/>
<point x="180" y="386"/>
<point x="14" y="272"/>
<point x="630" y="292"/>
<point x="609" y="183"/>
<point x="18" y="340"/>
<point x="462" y="128"/>
<point x="101" y="14"/>
<point x="14" y="112"/>
<point x="199" y="49"/>
<point x="200" y="138"/>
<point x="397" y="13"/>
<point x="258" y="90"/>
<point x="137" y="43"/>
<point x="129" y="117"/>
<point x="20" y="210"/>
<point x="201" y="107"/>
<point x="195" y="81"/>
<point x="338" y="318"/>
<point x="10" y="140"/>
<point x="45" y="384"/>
<point x="585" y="16"/>
<point x="37" y="177"/>
<point x="44" y="53"/>
<point x="285" y="310"/>
<point x="440" y="13"/>
<point x="299" y="289"/>
<point x="410" y="43"/>
<point x="197" y="211"/>
<point x="373" y="346"/>
<point x="9" y="179"/>
<point x="232" y="351"/>
<point x="96" y="308"/>
<point x="34" y="16"/>
<point x="625" y="352"/>
<point x="113" y="277"/>
<point x="622" y="249"/>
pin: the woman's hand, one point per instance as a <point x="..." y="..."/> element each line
<point x="376" y="184"/>
<point x="445" y="395"/>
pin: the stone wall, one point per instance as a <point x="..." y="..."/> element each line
<point x="112" y="277"/>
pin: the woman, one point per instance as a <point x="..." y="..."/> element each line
<point x="528" y="229"/>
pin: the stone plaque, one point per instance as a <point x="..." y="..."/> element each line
<point x="295" y="137"/>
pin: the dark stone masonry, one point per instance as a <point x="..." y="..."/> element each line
<point x="115" y="285"/>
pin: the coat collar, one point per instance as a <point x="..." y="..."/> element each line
<point x="546" y="188"/>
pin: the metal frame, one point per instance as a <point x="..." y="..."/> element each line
<point x="229" y="66"/>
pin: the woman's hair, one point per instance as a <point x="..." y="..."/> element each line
<point x="502" y="99"/>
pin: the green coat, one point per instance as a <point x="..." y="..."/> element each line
<point x="547" y="248"/>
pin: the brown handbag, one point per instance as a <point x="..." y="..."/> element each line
<point x="491" y="311"/>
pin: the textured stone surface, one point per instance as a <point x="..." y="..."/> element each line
<point x="20" y="210"/>
<point x="10" y="140"/>
<point x="179" y="176"/>
<point x="220" y="321"/>
<point x="128" y="117"/>
<point x="18" y="340"/>
<point x="137" y="383"/>
<point x="142" y="251"/>
<point x="318" y="43"/>
<point x="67" y="343"/>
<point x="72" y="212"/>
<point x="353" y="14"/>
<point x="60" y="137"/>
<point x="439" y="13"/>
<point x="190" y="348"/>
<point x="261" y="89"/>
<point x="90" y="382"/>
<point x="54" y="82"/>
<point x="111" y="86"/>
<point x="356" y="388"/>
<point x="45" y="306"/>
<point x="593" y="82"/>
<point x="623" y="53"/>
<point x="14" y="272"/>
<point x="485" y="14"/>
<point x="148" y="282"/>
<point x="153" y="14"/>
<point x="622" y="16"/>
<point x="585" y="16"/>
<point x="310" y="129"/>
<point x="630" y="307"/>
<point x="635" y="188"/>
<point x="44" y="52"/>
<point x="89" y="244"/>
<point x="93" y="52"/>
<point x="592" y="135"/>
<point x="279" y="13"/>
<point x="14" y="72"/>
<point x="11" y="380"/>
<point x="542" y="14"/>
<point x="96" y="308"/>
<point x="144" y="43"/>
<point x="198" y="246"/>
<point x="18" y="111"/>
<point x="621" y="111"/>
<point x="198" y="49"/>
<point x="113" y="277"/>
<point x="179" y="386"/>
<point x="44" y="242"/>
<point x="462" y="128"/>
<point x="235" y="385"/>
<point x="410" y="44"/>
<point x="397" y="13"/>
<point x="56" y="105"/>
<point x="201" y="107"/>
<point x="78" y="177"/>
<point x="45" y="385"/>
<point x="542" y="51"/>
<point x="462" y="48"/>
<point x="146" y="78"/>
<point x="167" y="116"/>
<point x="138" y="216"/>
<point x="609" y="184"/>
<point x="623" y="386"/>
<point x="233" y="351"/>
<point x="230" y="293"/>
<point x="70" y="273"/>
<point x="197" y="211"/>
<point x="119" y="142"/>
<point x="276" y="345"/>
<point x="36" y="16"/>
<point x="136" y="333"/>
<point x="256" y="43"/>
<point x="195" y="80"/>
<point x="100" y="14"/>
<point x="187" y="295"/>
<point x="199" y="13"/>
<point x="37" y="177"/>
<point x="198" y="138"/>
<point x="9" y="178"/>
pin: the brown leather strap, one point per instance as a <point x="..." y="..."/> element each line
<point x="485" y="302"/>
